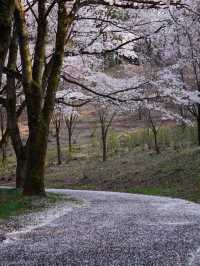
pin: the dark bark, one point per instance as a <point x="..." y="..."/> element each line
<point x="37" y="141"/>
<point x="3" y="129"/>
<point x="40" y="82"/>
<point x="58" y="146"/>
<point x="57" y="122"/>
<point x="198" y="124"/>
<point x="103" y="137"/>
<point x="12" y="114"/>
<point x="71" y="122"/>
<point x="105" y="123"/>
<point x="198" y="131"/>
<point x="70" y="142"/>
<point x="6" y="17"/>
<point x="4" y="138"/>
<point x="155" y="133"/>
<point x="20" y="171"/>
<point x="4" y="154"/>
<point x="39" y="118"/>
<point x="35" y="165"/>
<point x="140" y="113"/>
<point x="104" y="144"/>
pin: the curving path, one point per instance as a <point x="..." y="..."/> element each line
<point x="111" y="229"/>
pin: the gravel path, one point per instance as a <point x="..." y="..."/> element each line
<point x="111" y="229"/>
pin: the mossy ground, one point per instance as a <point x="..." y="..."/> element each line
<point x="172" y="173"/>
<point x="132" y="166"/>
<point x="13" y="203"/>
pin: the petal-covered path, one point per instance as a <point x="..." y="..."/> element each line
<point x="111" y="229"/>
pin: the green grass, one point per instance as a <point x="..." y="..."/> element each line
<point x="13" y="203"/>
<point x="174" y="174"/>
<point x="174" y="136"/>
<point x="132" y="166"/>
<point x="171" y="173"/>
<point x="154" y="191"/>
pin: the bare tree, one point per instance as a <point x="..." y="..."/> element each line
<point x="71" y="122"/>
<point x="154" y="124"/>
<point x="105" y="118"/>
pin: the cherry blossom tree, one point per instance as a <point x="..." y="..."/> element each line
<point x="53" y="37"/>
<point x="180" y="76"/>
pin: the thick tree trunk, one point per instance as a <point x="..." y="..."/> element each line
<point x="31" y="73"/>
<point x="20" y="172"/>
<point x="20" y="154"/>
<point x="40" y="109"/>
<point x="12" y="114"/>
<point x="6" y="16"/>
<point x="35" y="166"/>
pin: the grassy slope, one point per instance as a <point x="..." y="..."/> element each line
<point x="13" y="203"/>
<point x="172" y="173"/>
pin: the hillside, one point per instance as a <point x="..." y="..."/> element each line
<point x="172" y="173"/>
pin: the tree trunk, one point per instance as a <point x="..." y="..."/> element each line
<point x="20" y="172"/>
<point x="198" y="129"/>
<point x="4" y="153"/>
<point x="156" y="142"/>
<point x="31" y="73"/>
<point x="6" y="16"/>
<point x="12" y="114"/>
<point x="40" y="108"/>
<point x="139" y="113"/>
<point x="58" y="146"/>
<point x="104" y="144"/>
<point x="35" y="166"/>
<point x="2" y="126"/>
<point x="70" y="142"/>
<point x="183" y="115"/>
